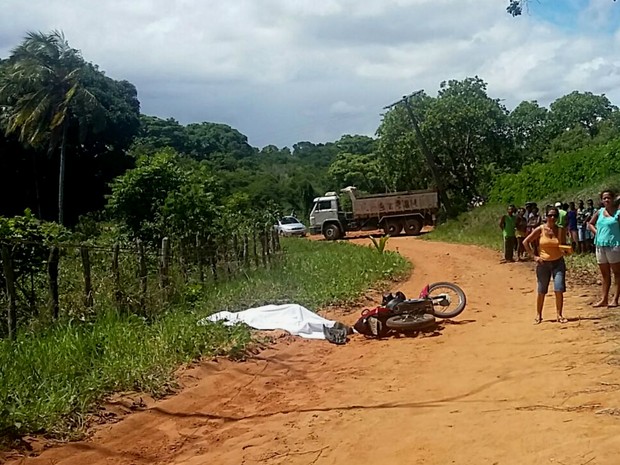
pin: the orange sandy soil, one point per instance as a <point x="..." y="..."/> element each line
<point x="486" y="388"/>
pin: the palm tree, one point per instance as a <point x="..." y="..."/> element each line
<point x="41" y="94"/>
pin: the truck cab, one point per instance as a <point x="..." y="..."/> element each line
<point x="325" y="217"/>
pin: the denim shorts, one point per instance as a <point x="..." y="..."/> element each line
<point x="584" y="234"/>
<point x="547" y="270"/>
<point x="607" y="254"/>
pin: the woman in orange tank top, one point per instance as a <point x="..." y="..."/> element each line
<point x="549" y="263"/>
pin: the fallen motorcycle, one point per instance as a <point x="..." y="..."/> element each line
<point x="396" y="312"/>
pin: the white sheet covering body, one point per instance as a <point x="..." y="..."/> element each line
<point x="293" y="318"/>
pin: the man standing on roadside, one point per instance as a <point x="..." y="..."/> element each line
<point x="562" y="220"/>
<point x="508" y="225"/>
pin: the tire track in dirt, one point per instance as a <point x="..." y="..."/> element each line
<point x="490" y="388"/>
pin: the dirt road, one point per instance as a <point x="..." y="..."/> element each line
<point x="490" y="389"/>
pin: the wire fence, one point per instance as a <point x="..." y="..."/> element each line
<point x="41" y="282"/>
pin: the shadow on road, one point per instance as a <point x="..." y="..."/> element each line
<point x="459" y="322"/>
<point x="382" y="406"/>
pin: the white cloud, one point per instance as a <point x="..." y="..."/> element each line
<point x="344" y="108"/>
<point x="282" y="71"/>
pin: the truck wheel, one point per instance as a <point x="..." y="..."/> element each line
<point x="393" y="227"/>
<point x="332" y="232"/>
<point x="413" y="226"/>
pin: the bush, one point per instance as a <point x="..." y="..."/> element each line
<point x="562" y="173"/>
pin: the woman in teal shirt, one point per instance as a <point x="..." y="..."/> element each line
<point x="605" y="224"/>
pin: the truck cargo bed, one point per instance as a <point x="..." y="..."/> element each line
<point x="396" y="203"/>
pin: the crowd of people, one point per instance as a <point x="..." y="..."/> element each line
<point x="565" y="228"/>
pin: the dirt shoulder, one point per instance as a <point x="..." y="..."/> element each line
<point x="491" y="388"/>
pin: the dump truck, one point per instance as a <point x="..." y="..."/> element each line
<point x="394" y="212"/>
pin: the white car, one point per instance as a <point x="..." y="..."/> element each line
<point x="290" y="226"/>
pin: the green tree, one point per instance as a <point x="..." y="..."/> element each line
<point x="361" y="171"/>
<point x="315" y="155"/>
<point x="468" y="133"/>
<point x="270" y="150"/>
<point x="139" y="195"/>
<point x="580" y="108"/>
<point x="194" y="208"/>
<point x="529" y="124"/>
<point x="207" y="139"/>
<point x="357" y="164"/>
<point x="402" y="165"/>
<point x="157" y="133"/>
<point x="42" y="93"/>
<point x="168" y="194"/>
<point x="465" y="129"/>
<point x="360" y="145"/>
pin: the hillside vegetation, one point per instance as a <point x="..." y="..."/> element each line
<point x="575" y="176"/>
<point x="480" y="225"/>
<point x="560" y="177"/>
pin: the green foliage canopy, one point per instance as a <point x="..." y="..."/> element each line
<point x="465" y="129"/>
<point x="139" y="195"/>
<point x="538" y="180"/>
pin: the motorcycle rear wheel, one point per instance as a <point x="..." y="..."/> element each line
<point x="453" y="291"/>
<point x="407" y="322"/>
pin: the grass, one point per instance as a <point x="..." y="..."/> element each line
<point x="477" y="227"/>
<point x="481" y="226"/>
<point x="53" y="378"/>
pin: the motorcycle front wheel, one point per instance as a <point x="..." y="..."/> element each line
<point x="448" y="299"/>
<point x="407" y="322"/>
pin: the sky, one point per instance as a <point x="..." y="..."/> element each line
<point x="285" y="71"/>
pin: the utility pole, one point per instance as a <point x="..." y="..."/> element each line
<point x="430" y="158"/>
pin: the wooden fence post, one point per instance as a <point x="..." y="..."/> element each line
<point x="272" y="237"/>
<point x="199" y="256"/>
<point x="227" y="259"/>
<point x="142" y="275"/>
<point x="118" y="293"/>
<point x="7" y="265"/>
<point x="264" y="246"/>
<point x="182" y="260"/>
<point x="164" y="267"/>
<point x="268" y="244"/>
<point x="235" y="245"/>
<point x="52" y="275"/>
<point x="88" y="289"/>
<point x="277" y="241"/>
<point x="213" y="259"/>
<point x="32" y="297"/>
<point x="246" y="251"/>
<point x="254" y="251"/>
